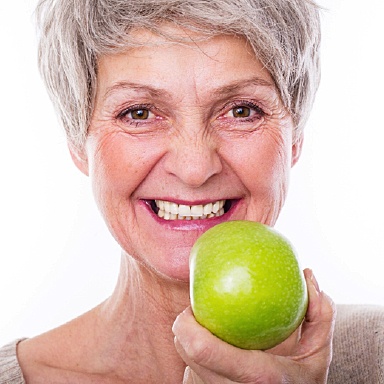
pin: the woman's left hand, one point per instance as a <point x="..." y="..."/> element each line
<point x="303" y="358"/>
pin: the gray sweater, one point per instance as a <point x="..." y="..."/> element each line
<point x="358" y="349"/>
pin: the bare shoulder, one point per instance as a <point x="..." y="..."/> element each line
<point x="61" y="355"/>
<point x="358" y="345"/>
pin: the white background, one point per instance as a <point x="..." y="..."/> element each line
<point x="57" y="259"/>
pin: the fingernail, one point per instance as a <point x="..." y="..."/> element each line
<point x="314" y="281"/>
<point x="175" y="324"/>
<point x="179" y="337"/>
<point x="180" y="329"/>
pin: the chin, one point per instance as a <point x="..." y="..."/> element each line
<point x="174" y="275"/>
<point x="172" y="266"/>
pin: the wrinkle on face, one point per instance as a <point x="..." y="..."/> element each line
<point x="192" y="149"/>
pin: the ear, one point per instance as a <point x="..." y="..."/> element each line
<point x="296" y="148"/>
<point x="79" y="157"/>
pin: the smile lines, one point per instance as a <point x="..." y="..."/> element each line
<point x="172" y="211"/>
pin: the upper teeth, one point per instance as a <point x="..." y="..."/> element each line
<point x="173" y="211"/>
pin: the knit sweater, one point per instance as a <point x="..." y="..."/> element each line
<point x="358" y="349"/>
<point x="10" y="371"/>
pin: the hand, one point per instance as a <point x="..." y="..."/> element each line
<point x="303" y="358"/>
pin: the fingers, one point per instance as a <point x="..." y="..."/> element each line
<point x="308" y="351"/>
<point x="321" y="308"/>
<point x="195" y="343"/>
<point x="211" y="357"/>
<point x="318" y="325"/>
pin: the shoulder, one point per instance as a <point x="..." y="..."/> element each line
<point x="10" y="371"/>
<point x="358" y="345"/>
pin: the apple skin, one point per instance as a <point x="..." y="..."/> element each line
<point x="246" y="285"/>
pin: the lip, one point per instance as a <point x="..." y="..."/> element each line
<point x="191" y="225"/>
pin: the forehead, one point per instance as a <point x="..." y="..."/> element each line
<point x="181" y="60"/>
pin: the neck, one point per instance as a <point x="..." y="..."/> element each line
<point x="140" y="291"/>
<point x="139" y="317"/>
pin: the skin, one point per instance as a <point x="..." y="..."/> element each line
<point x="192" y="147"/>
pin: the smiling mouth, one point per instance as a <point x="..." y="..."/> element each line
<point x="168" y="210"/>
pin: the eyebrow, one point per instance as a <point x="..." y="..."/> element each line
<point x="239" y="85"/>
<point x="151" y="91"/>
<point x="228" y="89"/>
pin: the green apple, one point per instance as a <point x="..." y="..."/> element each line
<point x="246" y="284"/>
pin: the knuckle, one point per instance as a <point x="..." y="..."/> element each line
<point x="201" y="351"/>
<point x="257" y="371"/>
<point x="329" y="309"/>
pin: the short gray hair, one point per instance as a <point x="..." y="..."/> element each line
<point x="284" y="34"/>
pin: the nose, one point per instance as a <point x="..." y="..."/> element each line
<point x="193" y="160"/>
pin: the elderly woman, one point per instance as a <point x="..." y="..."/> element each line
<point x="185" y="114"/>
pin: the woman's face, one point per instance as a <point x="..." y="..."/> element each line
<point x="183" y="137"/>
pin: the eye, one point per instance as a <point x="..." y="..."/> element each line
<point x="135" y="114"/>
<point x="241" y="111"/>
<point x="140" y="119"/>
<point x="138" y="114"/>
<point x="244" y="111"/>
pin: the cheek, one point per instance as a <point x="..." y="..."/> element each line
<point x="118" y="166"/>
<point x="268" y="184"/>
<point x="263" y="162"/>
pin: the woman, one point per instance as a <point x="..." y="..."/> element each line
<point x="184" y="114"/>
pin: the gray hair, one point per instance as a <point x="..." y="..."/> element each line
<point x="284" y="34"/>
